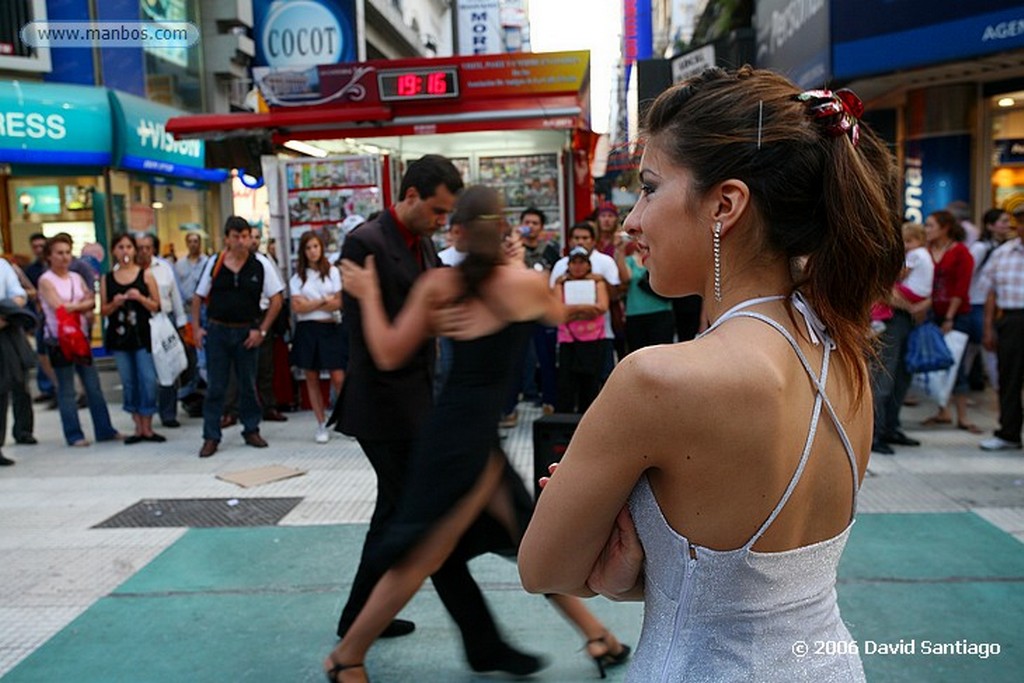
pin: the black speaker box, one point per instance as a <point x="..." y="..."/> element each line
<point x="551" y="436"/>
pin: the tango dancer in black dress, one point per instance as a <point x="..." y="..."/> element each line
<point x="461" y="496"/>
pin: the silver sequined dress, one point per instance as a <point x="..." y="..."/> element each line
<point x="742" y="615"/>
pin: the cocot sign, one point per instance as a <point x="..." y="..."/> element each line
<point x="303" y="33"/>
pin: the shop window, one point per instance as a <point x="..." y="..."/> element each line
<point x="1008" y="151"/>
<point x="51" y="204"/>
<point x="15" y="54"/>
<point x="173" y="74"/>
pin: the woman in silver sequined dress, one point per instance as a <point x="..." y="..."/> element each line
<point x="716" y="480"/>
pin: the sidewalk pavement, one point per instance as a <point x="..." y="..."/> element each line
<point x="935" y="557"/>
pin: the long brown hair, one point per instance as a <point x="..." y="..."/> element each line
<point x="477" y="211"/>
<point x="323" y="266"/>
<point x="822" y="199"/>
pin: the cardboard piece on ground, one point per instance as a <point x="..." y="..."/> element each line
<point x="260" y="475"/>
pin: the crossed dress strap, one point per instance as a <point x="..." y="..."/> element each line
<point x="817" y="334"/>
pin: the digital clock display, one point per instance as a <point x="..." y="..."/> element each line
<point x="418" y="84"/>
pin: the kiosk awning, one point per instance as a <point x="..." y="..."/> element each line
<point x="408" y="97"/>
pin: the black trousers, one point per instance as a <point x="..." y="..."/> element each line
<point x="890" y="379"/>
<point x="456" y="587"/>
<point x="21" y="402"/>
<point x="1010" y="353"/>
<point x="579" y="374"/>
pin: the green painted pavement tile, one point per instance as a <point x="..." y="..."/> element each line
<point x="281" y="558"/>
<point x="259" y="636"/>
<point x="930" y="546"/>
<point x="981" y="612"/>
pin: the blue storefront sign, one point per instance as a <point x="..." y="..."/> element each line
<point x="936" y="171"/>
<point x="793" y="39"/>
<point x="143" y="144"/>
<point x="44" y="123"/>
<point x="880" y="36"/>
<point x="302" y="33"/>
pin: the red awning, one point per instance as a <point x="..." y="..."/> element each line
<point x="212" y="126"/>
<point x="312" y="123"/>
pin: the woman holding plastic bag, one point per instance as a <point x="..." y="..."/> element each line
<point x="951" y="303"/>
<point x="129" y="297"/>
<point x="64" y="292"/>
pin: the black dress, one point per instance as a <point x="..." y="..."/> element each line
<point x="128" y="326"/>
<point x="453" y="448"/>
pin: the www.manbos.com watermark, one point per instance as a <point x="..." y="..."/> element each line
<point x="151" y="34"/>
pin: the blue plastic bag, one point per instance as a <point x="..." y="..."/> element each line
<point x="927" y="350"/>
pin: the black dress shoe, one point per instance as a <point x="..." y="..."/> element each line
<point x="508" y="659"/>
<point x="255" y="440"/>
<point x="27" y="440"/>
<point x="171" y="424"/>
<point x="882" y="447"/>
<point x="900" y="439"/>
<point x="5" y="462"/>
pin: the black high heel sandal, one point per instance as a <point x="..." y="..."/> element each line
<point x="607" y="659"/>
<point x="332" y="675"/>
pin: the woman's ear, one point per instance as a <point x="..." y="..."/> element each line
<point x="730" y="200"/>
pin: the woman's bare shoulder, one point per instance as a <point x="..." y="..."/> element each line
<point x="697" y="380"/>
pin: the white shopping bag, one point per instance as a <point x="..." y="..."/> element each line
<point x="939" y="385"/>
<point x="168" y="350"/>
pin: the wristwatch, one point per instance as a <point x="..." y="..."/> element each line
<point x="263" y="333"/>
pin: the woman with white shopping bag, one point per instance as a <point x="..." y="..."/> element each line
<point x="129" y="297"/>
<point x="951" y="302"/>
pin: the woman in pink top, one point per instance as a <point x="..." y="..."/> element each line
<point x="951" y="301"/>
<point x="59" y="287"/>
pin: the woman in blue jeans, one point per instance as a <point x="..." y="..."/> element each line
<point x="129" y="295"/>
<point x="60" y="287"/>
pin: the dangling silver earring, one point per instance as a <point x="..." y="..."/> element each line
<point x="717" y="245"/>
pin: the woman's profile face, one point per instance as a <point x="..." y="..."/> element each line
<point x="672" y="242"/>
<point x="313" y="251"/>
<point x="934" y="230"/>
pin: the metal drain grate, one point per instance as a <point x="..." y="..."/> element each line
<point x="201" y="512"/>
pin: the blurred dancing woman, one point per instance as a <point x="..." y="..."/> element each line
<point x="461" y="494"/>
<point x="711" y="479"/>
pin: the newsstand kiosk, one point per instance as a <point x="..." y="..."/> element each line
<point x="518" y="122"/>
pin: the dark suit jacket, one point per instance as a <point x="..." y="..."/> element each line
<point x="375" y="404"/>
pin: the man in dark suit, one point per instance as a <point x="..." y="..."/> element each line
<point x="385" y="410"/>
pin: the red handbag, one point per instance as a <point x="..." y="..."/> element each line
<point x="70" y="338"/>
